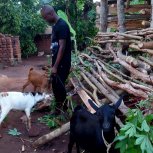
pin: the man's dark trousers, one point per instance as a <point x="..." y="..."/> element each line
<point x="58" y="85"/>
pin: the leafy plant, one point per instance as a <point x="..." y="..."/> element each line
<point x="14" y="132"/>
<point x="136" y="135"/>
<point x="82" y="15"/>
<point x="49" y="120"/>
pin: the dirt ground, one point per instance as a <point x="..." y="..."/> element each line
<point x="12" y="79"/>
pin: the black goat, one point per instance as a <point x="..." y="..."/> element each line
<point x="86" y="129"/>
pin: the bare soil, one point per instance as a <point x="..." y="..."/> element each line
<point x="12" y="79"/>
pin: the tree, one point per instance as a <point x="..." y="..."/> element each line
<point x="151" y="24"/>
<point x="103" y="15"/>
<point x="121" y="15"/>
<point x="21" y="17"/>
<point x="82" y="16"/>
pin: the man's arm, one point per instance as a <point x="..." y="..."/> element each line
<point x="62" y="44"/>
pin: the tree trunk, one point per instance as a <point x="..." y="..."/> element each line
<point x="151" y="24"/>
<point x="103" y="15"/>
<point x="121" y="15"/>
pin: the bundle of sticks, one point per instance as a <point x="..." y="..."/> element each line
<point x="105" y="79"/>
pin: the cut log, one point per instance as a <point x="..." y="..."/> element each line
<point x="48" y="137"/>
<point x="146" y="24"/>
<point x="145" y="11"/>
<point x="131" y="9"/>
<point x="149" y="36"/>
<point x="146" y="45"/>
<point x="135" y="72"/>
<point x="129" y="59"/>
<point x="150" y="51"/>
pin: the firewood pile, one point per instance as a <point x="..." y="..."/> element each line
<point x="106" y="71"/>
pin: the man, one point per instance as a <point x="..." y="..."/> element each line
<point x="61" y="55"/>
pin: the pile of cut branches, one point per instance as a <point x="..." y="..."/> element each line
<point x="101" y="66"/>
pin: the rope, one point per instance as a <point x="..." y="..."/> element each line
<point x="108" y="145"/>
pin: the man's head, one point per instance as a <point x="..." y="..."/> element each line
<point x="49" y="14"/>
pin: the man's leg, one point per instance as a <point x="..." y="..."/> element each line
<point x="58" y="85"/>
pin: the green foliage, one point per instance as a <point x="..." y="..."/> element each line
<point x="14" y="132"/>
<point x="10" y="17"/>
<point x="135" y="2"/>
<point x="49" y="120"/>
<point x="21" y="17"/>
<point x="82" y="16"/>
<point x="62" y="15"/>
<point x="136" y="135"/>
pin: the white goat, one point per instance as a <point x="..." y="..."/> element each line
<point x="20" y="101"/>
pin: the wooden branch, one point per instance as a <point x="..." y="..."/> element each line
<point x="48" y="137"/>
<point x="83" y="95"/>
<point x="93" y="87"/>
<point x="119" y="72"/>
<point x="113" y="99"/>
<point x="141" y="87"/>
<point x="129" y="59"/>
<point x="129" y="36"/>
<point x="146" y="60"/>
<point x="126" y="87"/>
<point x="115" y="41"/>
<point x="138" y="74"/>
<point x="142" y="50"/>
<point x="149" y="36"/>
<point x="103" y="83"/>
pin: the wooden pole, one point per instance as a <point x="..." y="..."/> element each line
<point x="121" y="15"/>
<point x="151" y="24"/>
<point x="103" y="15"/>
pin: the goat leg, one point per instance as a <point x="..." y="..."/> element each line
<point x="71" y="143"/>
<point x="27" y="111"/>
<point x="78" y="148"/>
<point x="29" y="123"/>
<point x="25" y="85"/>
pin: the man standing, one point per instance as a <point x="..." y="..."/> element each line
<point x="61" y="55"/>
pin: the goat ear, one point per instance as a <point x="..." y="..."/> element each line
<point x="93" y="105"/>
<point x="118" y="103"/>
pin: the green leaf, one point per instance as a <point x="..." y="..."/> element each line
<point x="130" y="129"/>
<point x="144" y="126"/>
<point x="120" y="138"/>
<point x="63" y="15"/>
<point x="144" y="143"/>
<point x="14" y="132"/>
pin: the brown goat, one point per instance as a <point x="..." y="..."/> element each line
<point x="38" y="80"/>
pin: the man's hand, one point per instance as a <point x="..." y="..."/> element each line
<point x="54" y="70"/>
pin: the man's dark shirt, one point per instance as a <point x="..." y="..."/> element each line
<point x="61" y="31"/>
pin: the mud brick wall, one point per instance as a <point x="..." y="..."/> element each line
<point x="16" y="48"/>
<point x="9" y="50"/>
